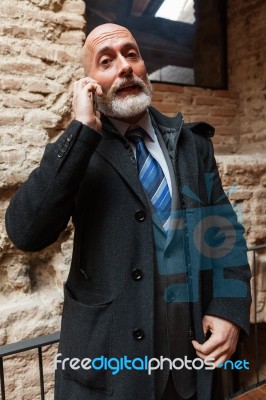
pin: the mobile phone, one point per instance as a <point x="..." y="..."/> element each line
<point x="94" y="102"/>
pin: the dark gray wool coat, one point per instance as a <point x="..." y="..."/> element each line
<point x="108" y="311"/>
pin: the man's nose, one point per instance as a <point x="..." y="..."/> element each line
<point x="125" y="67"/>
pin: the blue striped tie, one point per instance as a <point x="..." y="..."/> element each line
<point x="152" y="177"/>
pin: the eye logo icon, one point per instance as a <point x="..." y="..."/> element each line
<point x="214" y="237"/>
<point x="217" y="234"/>
<point x="214" y="233"/>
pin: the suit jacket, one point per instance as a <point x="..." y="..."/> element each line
<point x="109" y="307"/>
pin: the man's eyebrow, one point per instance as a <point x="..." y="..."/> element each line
<point x="126" y="45"/>
<point x="103" y="50"/>
<point x="131" y="45"/>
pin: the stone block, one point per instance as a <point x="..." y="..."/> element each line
<point x="263" y="180"/>
<point x="3" y="337"/>
<point x="11" y="117"/>
<point x="43" y="118"/>
<point x="26" y="67"/>
<point x="54" y="5"/>
<point x="74" y="6"/>
<point x="226" y="94"/>
<point x="65" y="20"/>
<point x="44" y="86"/>
<point x="71" y="37"/>
<point x="228" y="131"/>
<point x="15" y="101"/>
<point x="199" y="114"/>
<point x="215" y="121"/>
<point x="10" y="84"/>
<point x="18" y="277"/>
<point x="166" y="107"/>
<point x="163" y="87"/>
<point x="241" y="195"/>
<point x="209" y="101"/>
<point x="223" y="112"/>
<point x="260" y="194"/>
<point x="157" y="96"/>
<point x="51" y="52"/>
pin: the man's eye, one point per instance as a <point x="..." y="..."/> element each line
<point x="132" y="54"/>
<point x="105" y="61"/>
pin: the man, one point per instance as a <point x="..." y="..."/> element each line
<point x="141" y="283"/>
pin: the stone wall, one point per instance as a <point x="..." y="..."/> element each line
<point x="40" y="41"/>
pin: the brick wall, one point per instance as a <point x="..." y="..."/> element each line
<point x="247" y="72"/>
<point x="40" y="41"/>
<point x="217" y="107"/>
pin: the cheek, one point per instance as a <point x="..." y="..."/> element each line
<point x="140" y="71"/>
<point x="105" y="85"/>
<point x="105" y="80"/>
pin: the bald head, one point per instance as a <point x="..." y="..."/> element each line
<point x="99" y="36"/>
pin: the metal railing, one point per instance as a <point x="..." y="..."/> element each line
<point x="254" y="249"/>
<point x="26" y="345"/>
<point x="42" y="341"/>
<point x="238" y="384"/>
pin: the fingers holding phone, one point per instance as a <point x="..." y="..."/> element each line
<point x="83" y="103"/>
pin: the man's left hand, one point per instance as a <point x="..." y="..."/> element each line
<point x="222" y="342"/>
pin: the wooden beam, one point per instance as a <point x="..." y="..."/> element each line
<point x="139" y="6"/>
<point x="124" y="8"/>
<point x="152" y="8"/>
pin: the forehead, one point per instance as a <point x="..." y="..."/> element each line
<point x="107" y="39"/>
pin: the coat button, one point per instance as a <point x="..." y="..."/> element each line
<point x="140" y="215"/>
<point x="170" y="296"/>
<point x="138" y="334"/>
<point x="61" y="153"/>
<point x="190" y="334"/>
<point x="83" y="273"/>
<point x="136" y="274"/>
<point x="65" y="147"/>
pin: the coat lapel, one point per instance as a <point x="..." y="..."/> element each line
<point x="117" y="151"/>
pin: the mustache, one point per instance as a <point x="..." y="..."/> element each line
<point x="126" y="82"/>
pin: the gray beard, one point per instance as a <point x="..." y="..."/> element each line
<point x="115" y="107"/>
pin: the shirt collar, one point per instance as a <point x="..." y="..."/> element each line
<point x="144" y="123"/>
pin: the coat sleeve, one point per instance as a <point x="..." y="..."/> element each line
<point x="231" y="273"/>
<point x="41" y="208"/>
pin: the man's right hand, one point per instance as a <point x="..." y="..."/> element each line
<point x="82" y="103"/>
